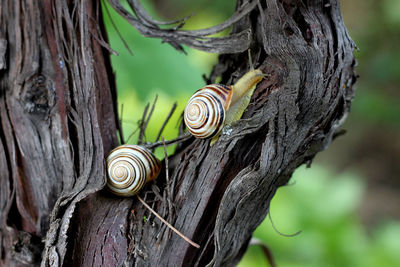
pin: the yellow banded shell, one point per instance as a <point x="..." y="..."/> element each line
<point x="129" y="168"/>
<point x="205" y="111"/>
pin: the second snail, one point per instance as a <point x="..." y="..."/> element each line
<point x="129" y="168"/>
<point x="216" y="105"/>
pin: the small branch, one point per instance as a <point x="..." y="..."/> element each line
<point x="198" y="39"/>
<point x="266" y="250"/>
<point x="121" y="133"/>
<point x="276" y="230"/>
<point x="168" y="224"/>
<point x="130" y="136"/>
<point x="141" y="133"/>
<point x="117" y="31"/>
<point x="146" y="123"/>
<point x="144" y="16"/>
<point x="181" y="125"/>
<point x="166" y="121"/>
<point x="179" y="139"/>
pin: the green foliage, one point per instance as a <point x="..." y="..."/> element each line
<point x="324" y="206"/>
<point x="376" y="31"/>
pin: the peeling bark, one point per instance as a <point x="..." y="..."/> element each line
<point x="58" y="120"/>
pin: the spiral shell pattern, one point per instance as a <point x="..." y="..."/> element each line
<point x="129" y="168"/>
<point x="205" y="111"/>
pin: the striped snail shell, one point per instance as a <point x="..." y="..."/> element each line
<point x="205" y="111"/>
<point x="129" y="168"/>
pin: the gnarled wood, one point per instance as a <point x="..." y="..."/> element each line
<point x="58" y="120"/>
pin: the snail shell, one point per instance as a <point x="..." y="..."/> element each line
<point x="129" y="168"/>
<point x="205" y="111"/>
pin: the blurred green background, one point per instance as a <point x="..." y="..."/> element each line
<point x="351" y="213"/>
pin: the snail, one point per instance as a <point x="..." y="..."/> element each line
<point x="129" y="168"/>
<point x="216" y="105"/>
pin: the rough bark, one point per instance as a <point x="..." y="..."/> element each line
<point x="58" y="121"/>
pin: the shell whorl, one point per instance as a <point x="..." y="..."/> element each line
<point x="129" y="168"/>
<point x="205" y="111"/>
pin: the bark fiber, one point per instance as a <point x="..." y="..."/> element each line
<point x="58" y="121"/>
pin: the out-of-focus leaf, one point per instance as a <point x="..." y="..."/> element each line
<point x="324" y="206"/>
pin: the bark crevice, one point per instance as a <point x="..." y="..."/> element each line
<point x="59" y="119"/>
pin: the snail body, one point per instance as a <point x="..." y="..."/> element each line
<point x="129" y="168"/>
<point x="216" y="105"/>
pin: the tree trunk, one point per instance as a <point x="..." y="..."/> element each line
<point x="58" y="121"/>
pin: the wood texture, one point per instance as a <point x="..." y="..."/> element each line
<point x="57" y="109"/>
<point x="57" y="121"/>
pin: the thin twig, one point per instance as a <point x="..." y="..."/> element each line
<point x="141" y="133"/>
<point x="146" y="121"/>
<point x="130" y="136"/>
<point x="266" y="250"/>
<point x="180" y="124"/>
<point x="156" y="191"/>
<point x="142" y="14"/>
<point x="121" y="134"/>
<point x="98" y="34"/>
<point x="102" y="42"/>
<point x="166" y="121"/>
<point x="168" y="224"/>
<point x="276" y="230"/>
<point x="116" y="29"/>
<point x="151" y="111"/>
<point x="234" y="43"/>
<point x="179" y="139"/>
<point x="130" y="121"/>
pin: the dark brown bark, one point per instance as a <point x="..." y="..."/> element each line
<point x="58" y="121"/>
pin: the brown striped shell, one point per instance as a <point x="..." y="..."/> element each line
<point x="129" y="168"/>
<point x="205" y="111"/>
